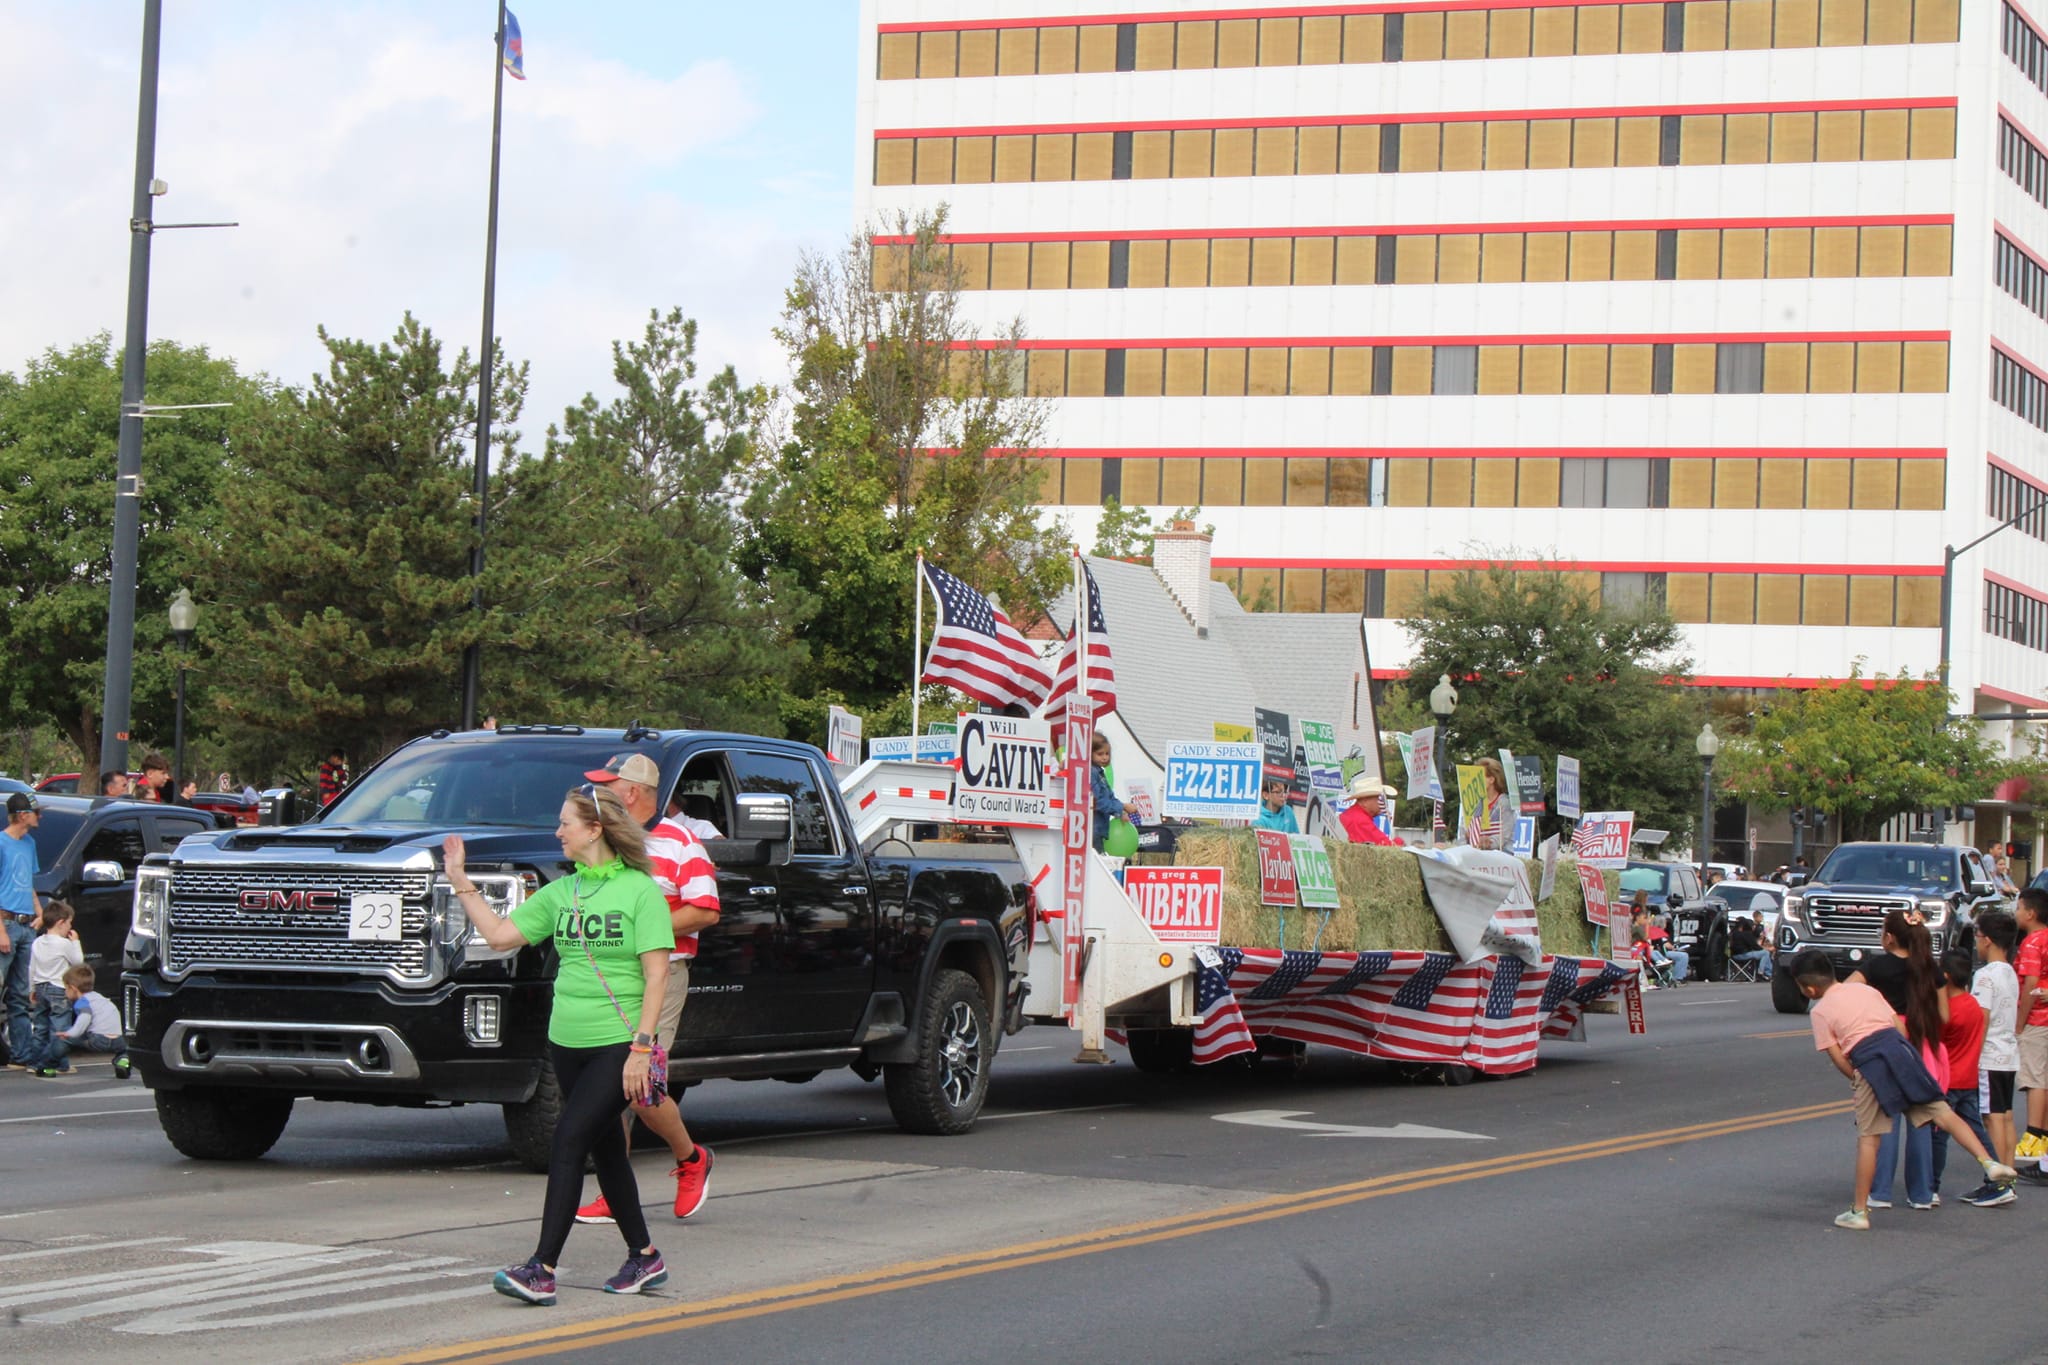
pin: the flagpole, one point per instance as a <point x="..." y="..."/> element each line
<point x="1081" y="637"/>
<point x="480" y="478"/>
<point x="916" y="651"/>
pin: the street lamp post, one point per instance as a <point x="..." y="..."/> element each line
<point x="1443" y="699"/>
<point x="1707" y="745"/>
<point x="184" y="620"/>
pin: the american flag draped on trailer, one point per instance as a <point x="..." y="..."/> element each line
<point x="1101" y="668"/>
<point x="977" y="651"/>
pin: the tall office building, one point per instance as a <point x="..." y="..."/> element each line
<point x="1742" y="304"/>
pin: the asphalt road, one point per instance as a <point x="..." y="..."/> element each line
<point x="1666" y="1198"/>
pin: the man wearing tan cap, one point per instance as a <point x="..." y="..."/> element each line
<point x="684" y="872"/>
<point x="1368" y="799"/>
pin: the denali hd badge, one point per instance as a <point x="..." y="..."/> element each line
<point x="287" y="902"/>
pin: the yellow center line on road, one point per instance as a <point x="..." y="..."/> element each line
<point x="916" y="1274"/>
<point x="1784" y="1033"/>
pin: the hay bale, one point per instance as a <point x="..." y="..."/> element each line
<point x="1381" y="901"/>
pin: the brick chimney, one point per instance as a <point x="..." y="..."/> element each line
<point x="1180" y="556"/>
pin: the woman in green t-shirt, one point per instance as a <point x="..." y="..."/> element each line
<point x="612" y="936"/>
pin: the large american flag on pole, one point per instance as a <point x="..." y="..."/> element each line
<point x="977" y="651"/>
<point x="1101" y="668"/>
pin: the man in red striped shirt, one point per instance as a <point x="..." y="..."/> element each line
<point x="686" y="877"/>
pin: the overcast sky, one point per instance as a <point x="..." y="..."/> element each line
<point x="661" y="153"/>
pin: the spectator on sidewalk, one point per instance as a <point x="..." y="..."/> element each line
<point x="1962" y="1038"/>
<point x="55" y="952"/>
<point x="95" y="1027"/>
<point x="21" y="914"/>
<point x="1997" y="989"/>
<point x="1746" y="944"/>
<point x="333" y="776"/>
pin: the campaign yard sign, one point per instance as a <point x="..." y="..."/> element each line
<point x="1276" y="737"/>
<point x="1522" y="843"/>
<point x="1593" y="886"/>
<point x="1004" y="762"/>
<point x="1315" y="881"/>
<point x="1529" y="783"/>
<point x="1568" y="787"/>
<point x="1182" y="904"/>
<point x="1471" y="800"/>
<point x="1276" y="868"/>
<point x="1319" y="743"/>
<point x="1212" y="781"/>
<point x="1227" y="733"/>
<point x="1602" y="838"/>
<point x="1421" y="756"/>
<point x="919" y="748"/>
<point x="1549" y="856"/>
<point x="842" y="736"/>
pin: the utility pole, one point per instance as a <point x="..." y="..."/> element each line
<point x="120" y="677"/>
<point x="480" y="488"/>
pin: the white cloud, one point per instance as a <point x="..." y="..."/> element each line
<point x="353" y="146"/>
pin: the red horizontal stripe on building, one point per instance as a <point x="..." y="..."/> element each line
<point x="1435" y="116"/>
<point x="1513" y="339"/>
<point x="1730" y="680"/>
<point x="1481" y="453"/>
<point x="2011" y="353"/>
<point x="1201" y="15"/>
<point x="2033" y="481"/>
<point x="1578" y="565"/>
<point x="1428" y="229"/>
<point x="2013" y="584"/>
<point x="2015" y="698"/>
<point x="2012" y="239"/>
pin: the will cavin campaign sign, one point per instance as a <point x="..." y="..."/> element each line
<point x="1003" y="772"/>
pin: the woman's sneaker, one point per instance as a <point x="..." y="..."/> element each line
<point x="1855" y="1220"/>
<point x="530" y="1283"/>
<point x="693" y="1182"/>
<point x="638" y="1273"/>
<point x="596" y="1211"/>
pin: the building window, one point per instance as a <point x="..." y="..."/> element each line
<point x="2018" y="389"/>
<point x="2027" y="49"/>
<point x="1455" y="371"/>
<point x="1739" y="367"/>
<point x="2020" y="159"/>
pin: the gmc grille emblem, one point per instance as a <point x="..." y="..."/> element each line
<point x="288" y="901"/>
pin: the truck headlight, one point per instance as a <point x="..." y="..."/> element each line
<point x="502" y="891"/>
<point x="1793" y="906"/>
<point x="152" y="901"/>
<point x="1934" y="910"/>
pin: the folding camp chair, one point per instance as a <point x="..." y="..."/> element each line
<point x="1740" y="970"/>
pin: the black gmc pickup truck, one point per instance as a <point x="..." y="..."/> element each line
<point x="328" y="960"/>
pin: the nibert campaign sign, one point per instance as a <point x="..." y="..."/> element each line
<point x="1212" y="781"/>
<point x="1182" y="904"/>
<point x="1003" y="772"/>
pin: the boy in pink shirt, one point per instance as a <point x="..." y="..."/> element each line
<point x="1849" y="1020"/>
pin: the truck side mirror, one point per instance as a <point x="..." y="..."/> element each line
<point x="277" y="806"/>
<point x="102" y="874"/>
<point x="760" y="832"/>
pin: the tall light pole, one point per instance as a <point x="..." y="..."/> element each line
<point x="184" y="620"/>
<point x="1443" y="700"/>
<point x="1707" y="745"/>
<point x="120" y="675"/>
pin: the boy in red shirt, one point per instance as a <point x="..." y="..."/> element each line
<point x="1962" y="1037"/>
<point x="2031" y="918"/>
<point x="1854" y="1025"/>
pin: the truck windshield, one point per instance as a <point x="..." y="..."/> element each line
<point x="506" y="780"/>
<point x="1926" y="868"/>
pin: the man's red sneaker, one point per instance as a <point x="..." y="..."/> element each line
<point x="596" y="1211"/>
<point x="693" y="1182"/>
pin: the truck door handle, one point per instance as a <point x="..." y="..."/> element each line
<point x="760" y="890"/>
<point x="856" y="890"/>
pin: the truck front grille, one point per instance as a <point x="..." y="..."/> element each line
<point x="1853" y="920"/>
<point x="292" y="919"/>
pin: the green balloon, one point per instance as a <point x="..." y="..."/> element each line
<point x="1122" y="841"/>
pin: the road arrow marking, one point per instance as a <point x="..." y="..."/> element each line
<point x="1293" y="1120"/>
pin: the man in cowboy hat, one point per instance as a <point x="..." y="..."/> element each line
<point x="1368" y="799"/>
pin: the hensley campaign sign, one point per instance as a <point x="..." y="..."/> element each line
<point x="1182" y="904"/>
<point x="1004" y="779"/>
<point x="1212" y="781"/>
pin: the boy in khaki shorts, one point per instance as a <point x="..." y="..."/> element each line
<point x="689" y="882"/>
<point x="2030" y="919"/>
<point x="1867" y="1043"/>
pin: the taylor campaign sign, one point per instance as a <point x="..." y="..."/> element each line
<point x="1212" y="781"/>
<point x="1182" y="904"/>
<point x="1276" y="868"/>
<point x="1003" y="772"/>
<point x="1593" y="887"/>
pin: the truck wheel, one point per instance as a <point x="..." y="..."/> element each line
<point x="1159" y="1051"/>
<point x="1714" y="959"/>
<point x="1785" y="992"/>
<point x="223" y="1124"/>
<point x="531" y="1124"/>
<point x="942" y="1091"/>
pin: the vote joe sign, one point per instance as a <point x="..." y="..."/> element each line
<point x="1182" y="904"/>
<point x="1003" y="763"/>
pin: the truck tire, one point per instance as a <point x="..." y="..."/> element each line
<point x="1714" y="954"/>
<point x="222" y="1124"/>
<point x="1785" y="994"/>
<point x="941" y="1092"/>
<point x="530" y="1125"/>
<point x="1161" y="1051"/>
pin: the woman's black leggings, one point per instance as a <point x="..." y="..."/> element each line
<point x="593" y="1096"/>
